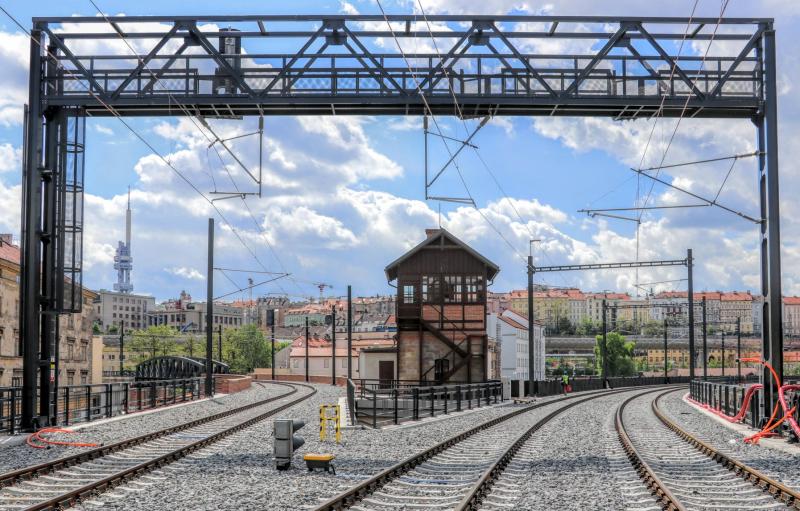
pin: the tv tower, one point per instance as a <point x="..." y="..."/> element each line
<point x="123" y="261"/>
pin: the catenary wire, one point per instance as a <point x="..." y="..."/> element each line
<point x="190" y="116"/>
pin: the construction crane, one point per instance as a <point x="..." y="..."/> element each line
<point x="322" y="286"/>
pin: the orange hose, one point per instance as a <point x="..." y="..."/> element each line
<point x="37" y="436"/>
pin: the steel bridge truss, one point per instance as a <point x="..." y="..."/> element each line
<point x="233" y="66"/>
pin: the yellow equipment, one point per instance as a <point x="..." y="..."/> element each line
<point x="323" y="461"/>
<point x="325" y="418"/>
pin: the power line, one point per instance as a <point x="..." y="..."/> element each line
<point x="190" y="116"/>
<point x="466" y="130"/>
<point x="436" y="124"/>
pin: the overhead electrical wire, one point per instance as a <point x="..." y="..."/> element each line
<point x="436" y="124"/>
<point x="190" y="115"/>
<point x="460" y="114"/>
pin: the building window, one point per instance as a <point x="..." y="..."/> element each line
<point x="430" y="288"/>
<point x="408" y="294"/>
<point x="84" y="351"/>
<point x="70" y="349"/>
<point x="344" y="363"/>
<point x="17" y="344"/>
<point x="452" y="289"/>
<point x="295" y="363"/>
<point x="326" y="363"/>
<point x="474" y="288"/>
<point x="84" y="377"/>
<point x="70" y="377"/>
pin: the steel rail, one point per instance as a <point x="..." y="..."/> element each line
<point x="349" y="497"/>
<point x="646" y="473"/>
<point x="474" y="498"/>
<point x="26" y="473"/>
<point x="780" y="491"/>
<point x="70" y="498"/>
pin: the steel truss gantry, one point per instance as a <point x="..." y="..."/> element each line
<point x="232" y="66"/>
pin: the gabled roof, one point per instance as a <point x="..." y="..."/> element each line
<point x="435" y="235"/>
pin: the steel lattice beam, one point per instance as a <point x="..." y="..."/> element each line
<point x="487" y="65"/>
<point x="611" y="266"/>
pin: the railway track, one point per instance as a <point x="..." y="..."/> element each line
<point x="63" y="482"/>
<point x="685" y="473"/>
<point x="459" y="472"/>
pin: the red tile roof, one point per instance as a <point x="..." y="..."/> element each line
<point x="791" y="300"/>
<point x="10" y="253"/>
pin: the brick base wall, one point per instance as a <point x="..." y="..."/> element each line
<point x="230" y="383"/>
<point x="340" y="380"/>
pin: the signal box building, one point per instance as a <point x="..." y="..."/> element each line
<point x="441" y="312"/>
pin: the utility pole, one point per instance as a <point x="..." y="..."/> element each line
<point x="603" y="349"/>
<point x="307" y="378"/>
<point x="739" y="349"/>
<point x="219" y="344"/>
<point x="531" y="326"/>
<point x="666" y="369"/>
<point x="210" y="309"/>
<point x="705" y="343"/>
<point x="690" y="283"/>
<point x="333" y="344"/>
<point x="121" y="346"/>
<point x="272" y="335"/>
<point x="349" y="332"/>
<point x="723" y="352"/>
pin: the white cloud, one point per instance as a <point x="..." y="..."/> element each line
<point x="10" y="158"/>
<point x="186" y="273"/>
<point x="103" y="130"/>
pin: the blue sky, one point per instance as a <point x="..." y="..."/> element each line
<point x="344" y="196"/>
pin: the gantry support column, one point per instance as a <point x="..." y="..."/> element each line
<point x="30" y="282"/>
<point x="771" y="314"/>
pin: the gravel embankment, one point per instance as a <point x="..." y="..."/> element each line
<point x="696" y="480"/>
<point x="575" y="461"/>
<point x="779" y="465"/>
<point x="241" y="473"/>
<point x="19" y="456"/>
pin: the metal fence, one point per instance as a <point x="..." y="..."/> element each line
<point x="86" y="403"/>
<point x="382" y="406"/>
<point x="728" y="397"/>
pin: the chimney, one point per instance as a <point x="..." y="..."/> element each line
<point x="431" y="232"/>
<point x="6" y="238"/>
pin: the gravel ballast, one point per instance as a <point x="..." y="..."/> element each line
<point x="575" y="462"/>
<point x="779" y="465"/>
<point x="240" y="474"/>
<point x="135" y="424"/>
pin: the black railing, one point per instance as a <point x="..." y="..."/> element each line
<point x="726" y="396"/>
<point x="393" y="405"/>
<point x="86" y="403"/>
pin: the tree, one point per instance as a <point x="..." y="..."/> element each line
<point x="192" y="347"/>
<point x="154" y="341"/>
<point x="96" y="328"/>
<point x="587" y="328"/>
<point x="653" y="328"/>
<point x="565" y="326"/>
<point x="245" y="348"/>
<point x="620" y="355"/>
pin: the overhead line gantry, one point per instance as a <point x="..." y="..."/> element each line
<point x="230" y="66"/>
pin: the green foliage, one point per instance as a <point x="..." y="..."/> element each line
<point x="155" y="341"/>
<point x="620" y="355"/>
<point x="246" y="348"/>
<point x="653" y="328"/>
<point x="565" y="326"/>
<point x="587" y="328"/>
<point x="193" y="346"/>
<point x="96" y="328"/>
